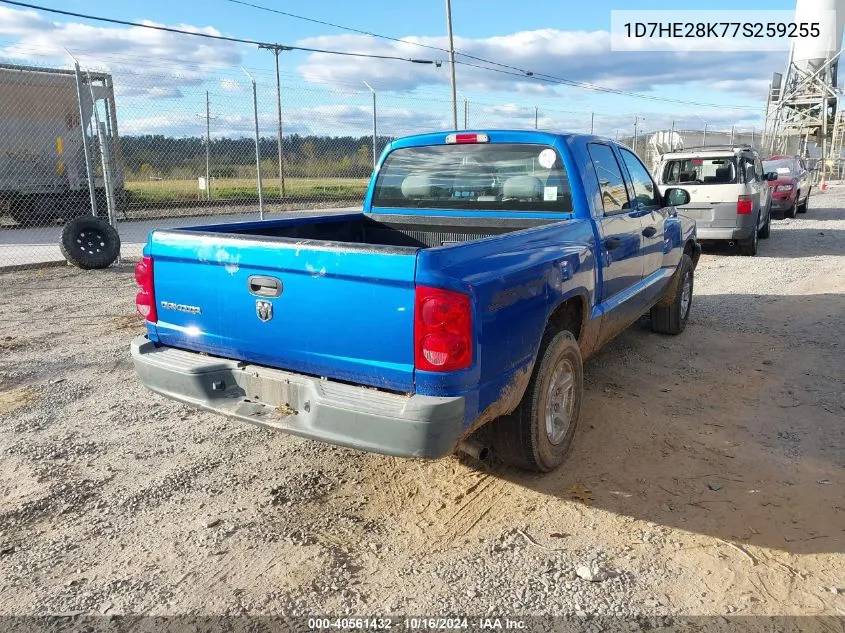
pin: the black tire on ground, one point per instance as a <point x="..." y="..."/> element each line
<point x="89" y="243"/>
<point x="767" y="227"/>
<point x="538" y="435"/>
<point x="748" y="247"/>
<point x="802" y="208"/>
<point x="670" y="314"/>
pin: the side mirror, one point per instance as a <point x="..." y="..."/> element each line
<point x="770" y="176"/>
<point x="676" y="197"/>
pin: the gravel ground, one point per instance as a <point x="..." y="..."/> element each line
<point x="706" y="477"/>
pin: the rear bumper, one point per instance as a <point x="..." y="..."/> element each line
<point x="730" y="233"/>
<point x="333" y="412"/>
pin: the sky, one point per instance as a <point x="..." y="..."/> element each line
<point x="162" y="78"/>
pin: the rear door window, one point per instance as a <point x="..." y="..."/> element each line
<point x="700" y="171"/>
<point x="614" y="195"/>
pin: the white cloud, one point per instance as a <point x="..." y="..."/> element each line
<point x="583" y="56"/>
<point x="229" y="85"/>
<point x="144" y="62"/>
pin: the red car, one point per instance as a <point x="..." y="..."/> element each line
<point x="791" y="190"/>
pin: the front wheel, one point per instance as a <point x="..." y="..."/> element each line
<point x="802" y="208"/>
<point x="670" y="314"/>
<point x="538" y="435"/>
<point x="793" y="210"/>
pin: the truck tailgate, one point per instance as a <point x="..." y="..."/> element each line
<point x="341" y="312"/>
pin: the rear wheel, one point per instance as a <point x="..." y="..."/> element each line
<point x="538" y="435"/>
<point x="748" y="247"/>
<point x="766" y="229"/>
<point x="670" y="315"/>
<point x="802" y="208"/>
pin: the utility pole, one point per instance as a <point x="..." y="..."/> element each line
<point x="592" y="121"/>
<point x="207" y="148"/>
<point x="276" y="48"/>
<point x="452" y="65"/>
<point x="257" y="148"/>
<point x="636" y="120"/>
<point x="536" y="118"/>
<point x="375" y="129"/>
<point x="704" y="136"/>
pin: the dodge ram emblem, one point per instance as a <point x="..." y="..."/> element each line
<point x="264" y="310"/>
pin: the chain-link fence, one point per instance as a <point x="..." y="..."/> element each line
<point x="145" y="146"/>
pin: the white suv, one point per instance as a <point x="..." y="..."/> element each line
<point x="729" y="193"/>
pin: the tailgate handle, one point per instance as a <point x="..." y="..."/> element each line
<point x="263" y="286"/>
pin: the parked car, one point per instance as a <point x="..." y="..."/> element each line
<point x="791" y="189"/>
<point x="484" y="267"/>
<point x="729" y="196"/>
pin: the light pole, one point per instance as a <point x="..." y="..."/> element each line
<point x="452" y="64"/>
<point x="704" y="136"/>
<point x="466" y="107"/>
<point x="636" y="121"/>
<point x="276" y="48"/>
<point x="375" y="130"/>
<point x="257" y="149"/>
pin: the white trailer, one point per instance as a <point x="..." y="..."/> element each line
<point x="44" y="165"/>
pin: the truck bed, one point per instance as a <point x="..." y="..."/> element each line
<point x="400" y="232"/>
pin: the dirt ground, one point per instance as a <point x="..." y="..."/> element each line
<point x="707" y="474"/>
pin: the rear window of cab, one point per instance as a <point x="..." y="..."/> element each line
<point x="494" y="176"/>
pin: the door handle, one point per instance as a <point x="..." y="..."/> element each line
<point x="613" y="242"/>
<point x="649" y="231"/>
<point x="262" y="286"/>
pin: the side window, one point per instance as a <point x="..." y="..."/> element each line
<point x="614" y="196"/>
<point x="758" y="168"/>
<point x="645" y="191"/>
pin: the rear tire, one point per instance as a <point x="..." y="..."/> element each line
<point x="90" y="243"/>
<point x="538" y="434"/>
<point x="806" y="205"/>
<point x="767" y="227"/>
<point x="748" y="247"/>
<point x="670" y="314"/>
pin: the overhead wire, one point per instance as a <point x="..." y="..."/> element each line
<point x="499" y="66"/>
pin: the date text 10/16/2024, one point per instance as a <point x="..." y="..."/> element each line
<point x="416" y="623"/>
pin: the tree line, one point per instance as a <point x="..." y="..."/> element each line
<point x="153" y="156"/>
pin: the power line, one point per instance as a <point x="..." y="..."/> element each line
<point x="500" y="67"/>
<point x="224" y="38"/>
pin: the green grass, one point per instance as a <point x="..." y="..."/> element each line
<point x="156" y="191"/>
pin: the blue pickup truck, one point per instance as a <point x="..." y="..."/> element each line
<point x="452" y="313"/>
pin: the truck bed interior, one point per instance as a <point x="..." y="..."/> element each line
<point x="392" y="230"/>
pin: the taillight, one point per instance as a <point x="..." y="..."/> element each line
<point x="145" y="299"/>
<point x="743" y="205"/>
<point x="464" y="138"/>
<point x="442" y="330"/>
